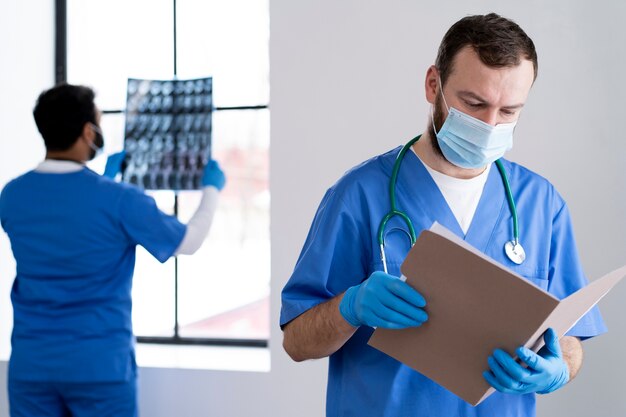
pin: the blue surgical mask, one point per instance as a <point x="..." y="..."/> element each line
<point x="471" y="143"/>
<point x="98" y="143"/>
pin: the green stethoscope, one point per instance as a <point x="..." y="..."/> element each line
<point x="513" y="248"/>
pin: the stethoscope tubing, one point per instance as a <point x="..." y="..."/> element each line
<point x="394" y="211"/>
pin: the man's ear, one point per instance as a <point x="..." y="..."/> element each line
<point x="431" y="84"/>
<point x="87" y="132"/>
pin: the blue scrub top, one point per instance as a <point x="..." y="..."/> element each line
<point x="73" y="236"/>
<point x="341" y="250"/>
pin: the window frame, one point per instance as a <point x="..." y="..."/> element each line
<point x="60" y="75"/>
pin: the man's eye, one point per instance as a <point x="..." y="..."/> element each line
<point x="507" y="112"/>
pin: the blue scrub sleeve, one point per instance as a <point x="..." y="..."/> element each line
<point x="332" y="260"/>
<point x="566" y="274"/>
<point x="159" y="233"/>
<point x="2" y="204"/>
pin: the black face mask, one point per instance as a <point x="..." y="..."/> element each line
<point x="98" y="142"/>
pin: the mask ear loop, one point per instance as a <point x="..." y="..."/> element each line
<point x="432" y="115"/>
<point x="93" y="147"/>
<point x="442" y="96"/>
<point x="432" y="120"/>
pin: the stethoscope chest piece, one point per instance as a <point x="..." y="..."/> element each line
<point x="515" y="252"/>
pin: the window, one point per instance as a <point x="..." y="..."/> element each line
<point x="220" y="295"/>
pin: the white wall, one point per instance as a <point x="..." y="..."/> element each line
<point x="26" y="56"/>
<point x="346" y="84"/>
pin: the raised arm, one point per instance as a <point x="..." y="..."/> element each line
<point x="213" y="180"/>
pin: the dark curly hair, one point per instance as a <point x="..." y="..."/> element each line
<point x="61" y="113"/>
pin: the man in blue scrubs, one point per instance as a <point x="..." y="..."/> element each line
<point x="73" y="234"/>
<point x="484" y="71"/>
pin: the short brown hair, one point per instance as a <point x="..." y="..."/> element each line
<point x="498" y="41"/>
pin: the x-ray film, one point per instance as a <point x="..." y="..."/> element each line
<point x="168" y="132"/>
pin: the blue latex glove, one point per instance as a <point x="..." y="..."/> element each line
<point x="213" y="175"/>
<point x="383" y="300"/>
<point x="546" y="372"/>
<point x="114" y="164"/>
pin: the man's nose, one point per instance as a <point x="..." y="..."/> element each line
<point x="490" y="117"/>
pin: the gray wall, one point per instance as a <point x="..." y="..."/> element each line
<point x="347" y="83"/>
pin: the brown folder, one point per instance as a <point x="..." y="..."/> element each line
<point x="476" y="305"/>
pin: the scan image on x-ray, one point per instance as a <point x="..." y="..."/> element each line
<point x="167" y="132"/>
